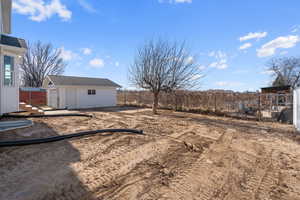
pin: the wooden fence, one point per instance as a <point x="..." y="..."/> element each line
<point x="33" y="96"/>
<point x="218" y="102"/>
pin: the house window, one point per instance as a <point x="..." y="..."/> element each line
<point x="91" y="92"/>
<point x="8" y="70"/>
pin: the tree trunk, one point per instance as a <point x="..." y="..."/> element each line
<point x="155" y="102"/>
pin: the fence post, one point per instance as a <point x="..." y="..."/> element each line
<point x="208" y="98"/>
<point x="125" y="97"/>
<point x="215" y="100"/>
<point x="30" y="98"/>
<point x="175" y="97"/>
<point x="259" y="107"/>
<point x="140" y="98"/>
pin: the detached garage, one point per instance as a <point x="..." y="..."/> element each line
<point x="80" y="92"/>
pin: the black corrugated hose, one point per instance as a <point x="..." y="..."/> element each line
<point x="63" y="137"/>
<point x="51" y="115"/>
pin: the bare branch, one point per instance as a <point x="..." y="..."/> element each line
<point x="286" y="71"/>
<point x="39" y="61"/>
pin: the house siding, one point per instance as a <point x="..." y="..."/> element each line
<point x="9" y="95"/>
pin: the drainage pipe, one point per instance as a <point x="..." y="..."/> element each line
<point x="64" y="137"/>
<point x="44" y="116"/>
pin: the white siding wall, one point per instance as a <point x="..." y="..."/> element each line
<point x="105" y="97"/>
<point x="296" y="109"/>
<point x="9" y="95"/>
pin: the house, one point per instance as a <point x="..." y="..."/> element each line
<point x="277" y="89"/>
<point x="80" y="92"/>
<point x="11" y="51"/>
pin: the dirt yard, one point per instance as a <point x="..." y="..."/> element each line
<point x="181" y="156"/>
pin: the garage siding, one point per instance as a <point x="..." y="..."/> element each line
<point x="102" y="98"/>
<point x="77" y="97"/>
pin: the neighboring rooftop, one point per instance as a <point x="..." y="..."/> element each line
<point x="276" y="89"/>
<point x="13" y="41"/>
<point x="81" y="81"/>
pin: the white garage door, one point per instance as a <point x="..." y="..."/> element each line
<point x="53" y="98"/>
<point x="71" y="96"/>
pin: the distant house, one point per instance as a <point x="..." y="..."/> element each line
<point x="80" y="92"/>
<point x="277" y="89"/>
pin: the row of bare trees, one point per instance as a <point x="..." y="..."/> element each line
<point x="159" y="66"/>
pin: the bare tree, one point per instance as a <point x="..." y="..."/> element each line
<point x="164" y="66"/>
<point x="39" y="61"/>
<point x="286" y="71"/>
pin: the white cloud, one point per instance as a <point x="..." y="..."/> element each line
<point x="190" y="60"/>
<point x="295" y="28"/>
<point x="228" y="84"/>
<point x="86" y="51"/>
<point x="283" y="52"/>
<point x="217" y="54"/>
<point x="240" y="71"/>
<point x="211" y="54"/>
<point x="286" y="42"/>
<point x="175" y="1"/>
<point x="39" y="10"/>
<point x="202" y="67"/>
<point x="87" y="6"/>
<point x="219" y="65"/>
<point x="117" y="64"/>
<point x="245" y="46"/>
<point x="221" y="58"/>
<point x="67" y="55"/>
<point x="197" y="76"/>
<point x="97" y="62"/>
<point x="256" y="35"/>
<point x="183" y="1"/>
<point x="267" y="72"/>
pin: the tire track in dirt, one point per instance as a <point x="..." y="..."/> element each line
<point x="257" y="177"/>
<point x="103" y="170"/>
<point x="268" y="183"/>
<point x="189" y="183"/>
<point x="157" y="171"/>
<point x="248" y="180"/>
<point x="214" y="176"/>
<point x="89" y="148"/>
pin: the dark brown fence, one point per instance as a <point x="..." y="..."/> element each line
<point x="233" y="103"/>
<point x="33" y="96"/>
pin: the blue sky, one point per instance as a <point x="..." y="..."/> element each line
<point x="232" y="40"/>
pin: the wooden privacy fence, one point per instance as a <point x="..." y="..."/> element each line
<point x="225" y="102"/>
<point x="33" y="96"/>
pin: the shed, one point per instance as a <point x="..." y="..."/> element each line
<point x="80" y="92"/>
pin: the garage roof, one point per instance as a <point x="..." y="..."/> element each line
<point x="81" y="81"/>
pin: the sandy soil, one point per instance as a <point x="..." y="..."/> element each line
<point x="182" y="156"/>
